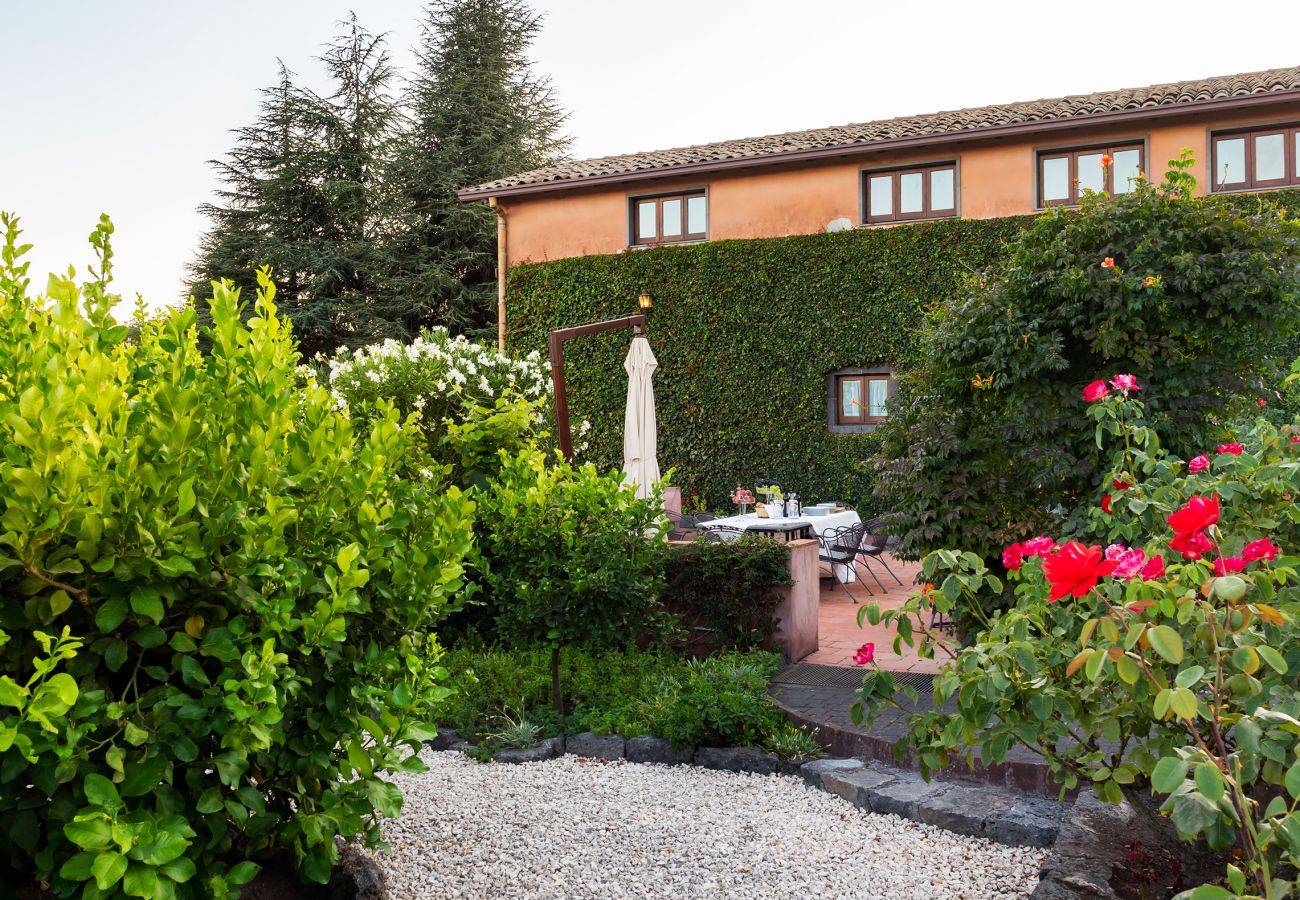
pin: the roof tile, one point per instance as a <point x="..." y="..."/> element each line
<point x="866" y="133"/>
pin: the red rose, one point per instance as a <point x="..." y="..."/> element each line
<point x="1260" y="549"/>
<point x="1013" y="557"/>
<point x="1154" y="568"/>
<point x="1095" y="391"/>
<point x="866" y="653"/>
<point x="1198" y="514"/>
<point x="1261" y="401"/>
<point x="1105" y="504"/>
<point x="1233" y="448"/>
<point x="1198" y="464"/>
<point x="1295" y="438"/>
<point x="1229" y="565"/>
<point x="1075" y="569"/>
<point x="1106" y="160"/>
<point x="1191" y="545"/>
<point x="1121" y="485"/>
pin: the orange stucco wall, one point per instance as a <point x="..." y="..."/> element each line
<point x="996" y="178"/>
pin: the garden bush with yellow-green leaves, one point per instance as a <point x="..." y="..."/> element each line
<point x="216" y="596"/>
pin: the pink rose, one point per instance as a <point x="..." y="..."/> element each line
<point x="1295" y="438"/>
<point x="1039" y="546"/>
<point x="866" y="653"/>
<point x="1128" y="563"/>
<point x="1095" y="391"/>
<point x="1125" y="383"/>
<point x="1154" y="568"/>
<point x="1234" y="448"/>
<point x="1260" y="549"/>
<point x="1229" y="565"/>
<point x="1013" y="557"/>
<point x="1198" y="464"/>
<point x="1261" y="401"/>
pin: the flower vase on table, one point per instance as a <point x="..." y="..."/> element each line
<point x="742" y="498"/>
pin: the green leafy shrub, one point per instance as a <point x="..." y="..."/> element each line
<point x="985" y="444"/>
<point x="470" y="399"/>
<point x="619" y="691"/>
<point x="1166" y="660"/>
<point x="243" y="581"/>
<point x="716" y="702"/>
<point x="572" y="556"/>
<point x="723" y="593"/>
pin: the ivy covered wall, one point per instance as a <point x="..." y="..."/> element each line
<point x="746" y="333"/>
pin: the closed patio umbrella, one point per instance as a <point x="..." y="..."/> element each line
<point x="640" y="434"/>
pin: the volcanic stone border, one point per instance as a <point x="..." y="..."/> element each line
<point x="977" y="810"/>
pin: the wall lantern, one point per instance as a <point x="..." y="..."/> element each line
<point x="644" y="300"/>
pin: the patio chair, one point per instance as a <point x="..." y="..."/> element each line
<point x="873" y="547"/>
<point x="682" y="528"/>
<point x="839" y="547"/>
<point x="723" y="533"/>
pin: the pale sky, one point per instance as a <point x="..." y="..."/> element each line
<point x="115" y="105"/>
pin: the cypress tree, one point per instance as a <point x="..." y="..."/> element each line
<point x="478" y="113"/>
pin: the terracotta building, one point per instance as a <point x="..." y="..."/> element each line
<point x="988" y="161"/>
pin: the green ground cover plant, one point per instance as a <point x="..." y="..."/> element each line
<point x="721" y="701"/>
<point x="1156" y="650"/>
<point x="219" y="594"/>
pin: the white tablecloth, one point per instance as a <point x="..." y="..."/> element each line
<point x="820" y="525"/>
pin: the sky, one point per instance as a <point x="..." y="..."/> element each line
<point x="117" y="105"/>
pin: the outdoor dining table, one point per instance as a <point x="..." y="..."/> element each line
<point x="792" y="528"/>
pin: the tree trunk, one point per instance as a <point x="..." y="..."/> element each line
<point x="557" y="699"/>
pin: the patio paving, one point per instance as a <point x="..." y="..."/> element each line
<point x="839" y="636"/>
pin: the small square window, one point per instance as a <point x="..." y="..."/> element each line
<point x="861" y="399"/>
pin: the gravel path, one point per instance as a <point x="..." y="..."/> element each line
<point x="577" y="828"/>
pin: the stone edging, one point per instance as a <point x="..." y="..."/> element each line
<point x="1028" y="777"/>
<point x="977" y="810"/>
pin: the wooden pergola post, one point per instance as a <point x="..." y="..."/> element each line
<point x="555" y="341"/>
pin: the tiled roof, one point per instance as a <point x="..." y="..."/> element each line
<point x="848" y="137"/>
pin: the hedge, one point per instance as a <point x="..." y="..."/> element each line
<point x="746" y="333"/>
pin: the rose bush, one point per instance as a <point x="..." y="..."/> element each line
<point x="1156" y="649"/>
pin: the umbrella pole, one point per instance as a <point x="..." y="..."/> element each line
<point x="555" y="343"/>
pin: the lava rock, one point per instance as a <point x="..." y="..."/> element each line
<point x="445" y="740"/>
<point x="650" y="749"/>
<point x="595" y="746"/>
<point x="736" y="759"/>
<point x="356" y="876"/>
<point x="547" y="749"/>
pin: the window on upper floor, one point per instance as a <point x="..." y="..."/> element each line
<point x="913" y="192"/>
<point x="1063" y="175"/>
<point x="1259" y="158"/>
<point x="670" y="218"/>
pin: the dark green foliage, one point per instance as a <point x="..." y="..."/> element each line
<point x="570" y="556"/>
<point x="304" y="194"/>
<point x="723" y="593"/>
<point x="746" y="333"/>
<point x="721" y="701"/>
<point x="478" y="114"/>
<point x="987" y="443"/>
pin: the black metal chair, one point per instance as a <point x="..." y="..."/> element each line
<point x="839" y="547"/>
<point x="873" y="547"/>
<point x="722" y="533"/>
<point x="682" y="528"/>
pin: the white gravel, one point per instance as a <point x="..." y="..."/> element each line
<point x="577" y="828"/>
